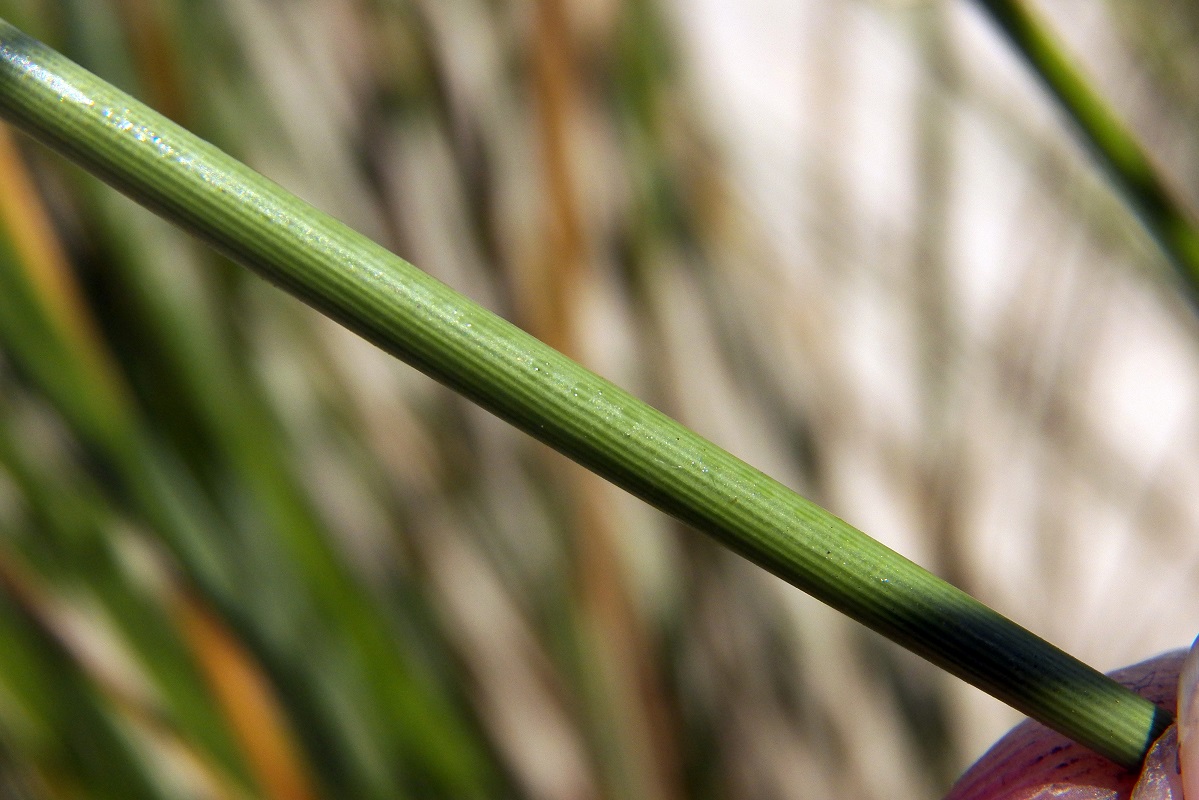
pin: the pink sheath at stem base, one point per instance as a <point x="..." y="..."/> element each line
<point x="1032" y="762"/>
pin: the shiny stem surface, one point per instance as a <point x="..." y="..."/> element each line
<point x="455" y="341"/>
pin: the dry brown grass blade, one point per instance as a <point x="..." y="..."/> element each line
<point x="114" y="675"/>
<point x="645" y="759"/>
<point x="248" y="701"/>
<point x="41" y="256"/>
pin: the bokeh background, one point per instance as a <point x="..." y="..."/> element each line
<point x="244" y="554"/>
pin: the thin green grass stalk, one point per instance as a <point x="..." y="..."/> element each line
<point x="490" y="361"/>
<point x="1127" y="164"/>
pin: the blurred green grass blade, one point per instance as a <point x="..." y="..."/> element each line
<point x="68" y="517"/>
<point x="48" y="333"/>
<point x="70" y="548"/>
<point x="412" y="719"/>
<point x="1126" y="162"/>
<point x="40" y="320"/>
<point x="490" y="361"/>
<point x="80" y="744"/>
<point x="407" y="709"/>
<point x="403" y="712"/>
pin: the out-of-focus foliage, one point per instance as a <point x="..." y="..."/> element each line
<point x="243" y="554"/>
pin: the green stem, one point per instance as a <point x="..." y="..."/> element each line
<point x="1129" y="167"/>
<point x="541" y="391"/>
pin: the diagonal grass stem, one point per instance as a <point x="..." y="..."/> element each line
<point x="430" y="326"/>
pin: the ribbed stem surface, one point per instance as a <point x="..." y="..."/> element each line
<point x="490" y="361"/>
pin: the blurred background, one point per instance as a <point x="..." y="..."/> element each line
<point x="244" y="554"/>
